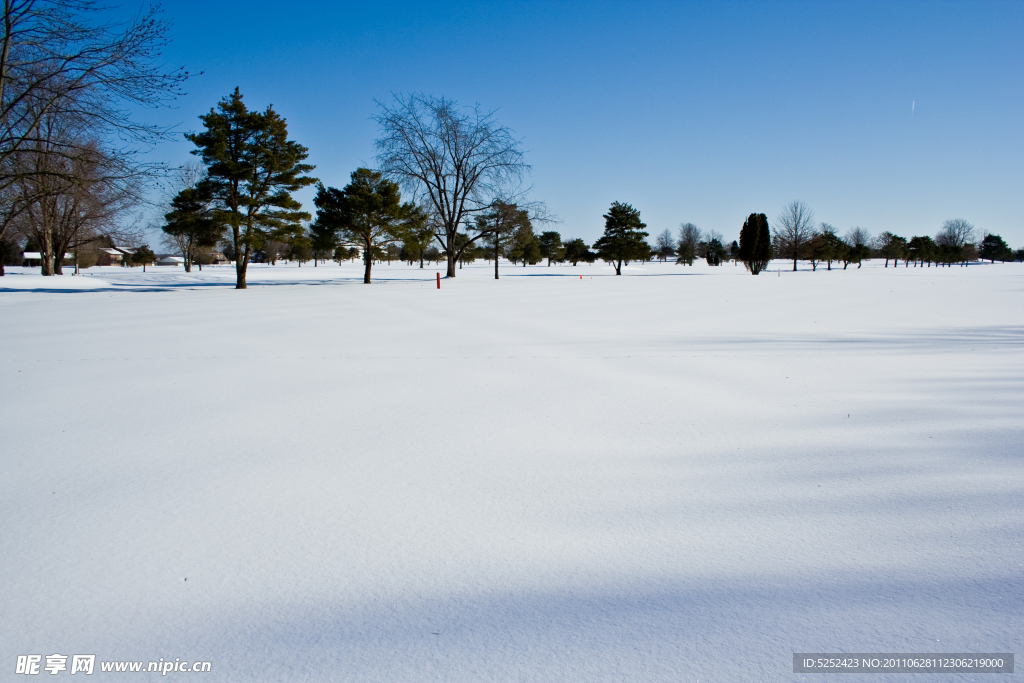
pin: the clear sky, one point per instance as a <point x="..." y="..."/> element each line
<point x="888" y="115"/>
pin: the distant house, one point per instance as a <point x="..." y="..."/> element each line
<point x="218" y="258"/>
<point x="113" y="256"/>
<point x="170" y="261"/>
<point x="33" y="259"/>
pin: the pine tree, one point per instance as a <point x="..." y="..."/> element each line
<point x="191" y="222"/>
<point x="368" y="211"/>
<point x="831" y="244"/>
<point x="891" y="247"/>
<point x="500" y="226"/>
<point x="323" y="240"/>
<point x="551" y="246"/>
<point x="756" y="243"/>
<point x="576" y="250"/>
<point x="141" y="257"/>
<point x="525" y="246"/>
<point x="253" y="168"/>
<point x="623" y="238"/>
<point x="921" y="249"/>
<point x="714" y="252"/>
<point x="993" y="247"/>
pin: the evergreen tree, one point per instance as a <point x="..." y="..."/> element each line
<point x="500" y="227"/>
<point x="831" y="243"/>
<point x="816" y="250"/>
<point x="464" y="247"/>
<point x="525" y="246"/>
<point x="755" y="243"/>
<point x="300" y="249"/>
<point x="323" y="240"/>
<point x="253" y="168"/>
<point x="921" y="250"/>
<point x="858" y="241"/>
<point x="993" y="247"/>
<point x="891" y="247"/>
<point x="141" y="257"/>
<point x="643" y="253"/>
<point x="623" y="238"/>
<point x="417" y="235"/>
<point x="368" y="211"/>
<point x="576" y="250"/>
<point x="551" y="246"/>
<point x="714" y="252"/>
<point x="191" y="222"/>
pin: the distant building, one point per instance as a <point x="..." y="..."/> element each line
<point x="33" y="259"/>
<point x="113" y="256"/>
<point x="170" y="261"/>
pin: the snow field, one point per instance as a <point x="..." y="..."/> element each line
<point x="680" y="474"/>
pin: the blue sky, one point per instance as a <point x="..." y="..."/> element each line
<point x="701" y="112"/>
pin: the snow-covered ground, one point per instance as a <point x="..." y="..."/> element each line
<point x="681" y="474"/>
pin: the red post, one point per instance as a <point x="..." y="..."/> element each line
<point x="439" y="280"/>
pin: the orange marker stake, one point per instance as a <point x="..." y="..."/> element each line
<point x="439" y="280"/>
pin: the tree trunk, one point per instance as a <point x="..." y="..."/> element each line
<point x="794" y="263"/>
<point x="46" y="249"/>
<point x="496" y="256"/>
<point x="241" y="259"/>
<point x="449" y="249"/>
<point x="367" y="263"/>
<point x="618" y="267"/>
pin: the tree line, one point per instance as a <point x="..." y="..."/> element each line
<point x="448" y="186"/>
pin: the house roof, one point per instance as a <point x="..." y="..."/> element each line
<point x="31" y="255"/>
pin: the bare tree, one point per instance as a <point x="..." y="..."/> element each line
<point x="64" y="60"/>
<point x="858" y="242"/>
<point x="689" y="237"/>
<point x="794" y="229"/>
<point x="955" y="233"/>
<point x="71" y="189"/>
<point x="56" y="59"/>
<point x="459" y="162"/>
<point x="664" y="245"/>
